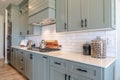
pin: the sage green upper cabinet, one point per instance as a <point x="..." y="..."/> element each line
<point x="61" y="15"/>
<point x="98" y="14"/>
<point x="74" y="14"/>
<point x="25" y="29"/>
<point x="85" y="14"/>
<point x="40" y="10"/>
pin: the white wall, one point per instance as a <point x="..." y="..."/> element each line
<point x="1" y="35"/>
<point x="118" y="40"/>
<point x="73" y="41"/>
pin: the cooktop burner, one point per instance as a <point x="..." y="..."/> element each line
<point x="45" y="49"/>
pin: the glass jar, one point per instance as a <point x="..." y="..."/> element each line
<point x="98" y="48"/>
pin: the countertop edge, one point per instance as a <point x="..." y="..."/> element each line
<point x="101" y="66"/>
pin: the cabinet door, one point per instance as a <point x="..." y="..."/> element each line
<point x="57" y="74"/>
<point x="77" y="77"/>
<point x="12" y="56"/>
<point x="61" y="15"/>
<point x="28" y="65"/>
<point x="45" y="68"/>
<point x="75" y="21"/>
<point x="24" y="23"/>
<point x="97" y="14"/>
<point x="37" y="67"/>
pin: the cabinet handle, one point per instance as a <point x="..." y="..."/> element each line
<point x="69" y="77"/>
<point x="45" y="57"/>
<point x="20" y="33"/>
<point x="57" y="63"/>
<point x="65" y="26"/>
<point x="65" y="76"/>
<point x="81" y="23"/>
<point x="21" y="68"/>
<point x="12" y="50"/>
<point x="31" y="56"/>
<point x="85" y="22"/>
<point x="21" y="59"/>
<point x="81" y="70"/>
<point x="28" y="32"/>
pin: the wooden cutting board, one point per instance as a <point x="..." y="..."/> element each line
<point x="52" y="44"/>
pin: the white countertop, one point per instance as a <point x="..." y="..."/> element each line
<point x="77" y="57"/>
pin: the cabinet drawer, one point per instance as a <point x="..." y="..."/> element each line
<point x="55" y="62"/>
<point x="22" y="68"/>
<point x="84" y="70"/>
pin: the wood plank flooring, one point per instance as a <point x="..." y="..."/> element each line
<point x="8" y="73"/>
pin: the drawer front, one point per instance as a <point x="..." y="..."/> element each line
<point x="22" y="68"/>
<point x="55" y="62"/>
<point x="22" y="57"/>
<point x="84" y="70"/>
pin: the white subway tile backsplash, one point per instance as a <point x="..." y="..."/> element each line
<point x="73" y="41"/>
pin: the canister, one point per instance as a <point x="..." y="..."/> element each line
<point x="98" y="48"/>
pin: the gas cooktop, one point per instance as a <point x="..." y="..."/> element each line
<point x="45" y="49"/>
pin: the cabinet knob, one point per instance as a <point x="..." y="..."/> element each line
<point x="85" y="22"/>
<point x="82" y="23"/>
<point x="21" y="59"/>
<point x="21" y="68"/>
<point x="65" y="26"/>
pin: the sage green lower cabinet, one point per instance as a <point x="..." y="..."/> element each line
<point x="13" y="57"/>
<point x="37" y="69"/>
<point x="45" y="67"/>
<point x="42" y="67"/>
<point x="12" y="53"/>
<point x="28" y="65"/>
<point x="68" y="70"/>
<point x="77" y="77"/>
<point x="58" y="69"/>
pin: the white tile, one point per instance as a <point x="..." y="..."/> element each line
<point x="73" y="41"/>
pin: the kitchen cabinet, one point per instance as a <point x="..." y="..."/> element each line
<point x="13" y="57"/>
<point x="57" y="69"/>
<point x="85" y="15"/>
<point x="40" y="67"/>
<point x="25" y="28"/>
<point x="40" y="10"/>
<point x="13" y="19"/>
<point x="37" y="69"/>
<point x="21" y="61"/>
<point x="68" y="70"/>
<point x="28" y="64"/>
<point x="45" y="67"/>
<point x="18" y="60"/>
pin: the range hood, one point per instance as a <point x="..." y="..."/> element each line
<point x="48" y="21"/>
<point x="42" y="14"/>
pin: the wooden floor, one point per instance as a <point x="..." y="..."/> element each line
<point x="8" y="73"/>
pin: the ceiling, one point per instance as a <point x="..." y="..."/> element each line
<point x="5" y="3"/>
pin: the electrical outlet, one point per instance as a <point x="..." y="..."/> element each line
<point x="110" y="42"/>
